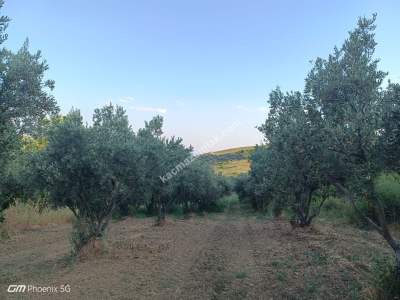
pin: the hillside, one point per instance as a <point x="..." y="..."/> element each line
<point x="247" y="150"/>
<point x="232" y="161"/>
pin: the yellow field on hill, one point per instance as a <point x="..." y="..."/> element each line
<point x="246" y="150"/>
<point x="232" y="167"/>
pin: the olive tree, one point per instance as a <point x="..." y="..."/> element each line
<point x="256" y="187"/>
<point x="360" y="121"/>
<point x="160" y="157"/>
<point x="88" y="168"/>
<point x="197" y="187"/>
<point x="294" y="155"/>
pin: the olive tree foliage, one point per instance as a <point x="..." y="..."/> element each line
<point x="89" y="168"/>
<point x="360" y="121"/>
<point x="173" y="153"/>
<point x="171" y="177"/>
<point x="24" y="101"/>
<point x="256" y="188"/>
<point x="158" y="156"/>
<point x="288" y="172"/>
<point x="389" y="137"/>
<point x="197" y="187"/>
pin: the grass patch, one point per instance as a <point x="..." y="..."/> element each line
<point x="228" y="202"/>
<point x="311" y="287"/>
<point x="387" y="286"/>
<point x="316" y="257"/>
<point x="241" y="275"/>
<point x="27" y="215"/>
<point x="140" y="215"/>
<point x="286" y="263"/>
<point x="337" y="211"/>
<point x="3" y="232"/>
<point x="281" y="276"/>
<point x="177" y="213"/>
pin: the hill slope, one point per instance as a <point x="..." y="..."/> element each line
<point x="231" y="162"/>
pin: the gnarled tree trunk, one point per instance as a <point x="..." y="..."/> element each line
<point x="381" y="227"/>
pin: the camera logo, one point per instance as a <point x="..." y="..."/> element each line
<point x="16" y="288"/>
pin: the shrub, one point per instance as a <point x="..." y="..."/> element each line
<point x="387" y="187"/>
<point x="338" y="209"/>
<point x="224" y="203"/>
<point x="197" y="188"/>
<point x="385" y="281"/>
<point x="80" y="234"/>
<point x="239" y="186"/>
<point x="277" y="205"/>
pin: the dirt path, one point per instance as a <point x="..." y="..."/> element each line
<point x="223" y="256"/>
<point x="225" y="266"/>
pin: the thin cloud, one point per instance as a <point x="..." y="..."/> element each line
<point x="159" y="110"/>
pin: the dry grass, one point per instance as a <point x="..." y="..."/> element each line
<point x="29" y="216"/>
<point x="213" y="257"/>
<point x="232" y="167"/>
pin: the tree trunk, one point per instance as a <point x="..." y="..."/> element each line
<point x="161" y="213"/>
<point x="302" y="209"/>
<point x="186" y="207"/>
<point x="164" y="211"/>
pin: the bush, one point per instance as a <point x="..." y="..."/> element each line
<point x="239" y="185"/>
<point x="225" y="184"/>
<point x="85" y="243"/>
<point x="197" y="188"/>
<point x="277" y="205"/>
<point x="223" y="203"/>
<point x="338" y="209"/>
<point x="385" y="281"/>
<point x="335" y="208"/>
<point x="251" y="193"/>
<point x="80" y="235"/>
<point x="387" y="187"/>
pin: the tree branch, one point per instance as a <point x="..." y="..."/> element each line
<point x="349" y="197"/>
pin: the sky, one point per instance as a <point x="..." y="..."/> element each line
<point x="206" y="66"/>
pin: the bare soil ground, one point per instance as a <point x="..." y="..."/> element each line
<point x="224" y="256"/>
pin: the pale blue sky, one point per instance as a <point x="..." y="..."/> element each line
<point x="201" y="64"/>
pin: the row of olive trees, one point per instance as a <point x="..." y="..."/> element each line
<point x="340" y="133"/>
<point x="105" y="168"/>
